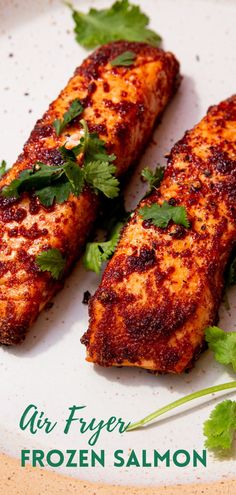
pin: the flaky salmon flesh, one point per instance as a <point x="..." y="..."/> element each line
<point x="163" y="286"/>
<point x="121" y="104"/>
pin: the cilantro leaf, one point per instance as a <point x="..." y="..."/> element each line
<point x="122" y="21"/>
<point x="3" y="167"/>
<point x="75" y="176"/>
<point x="223" y="344"/>
<point x="99" y="175"/>
<point x="92" y="146"/>
<point x="49" y="183"/>
<point x="51" y="261"/>
<point x="125" y="59"/>
<point x="153" y="178"/>
<point x="68" y="155"/>
<point x="221" y="426"/>
<point x="162" y="215"/>
<point x="98" y="252"/>
<point x="75" y="109"/>
<point x="92" y="259"/>
<point x="56" y="192"/>
<point x="39" y="176"/>
<point x="97" y="171"/>
<point x="11" y="191"/>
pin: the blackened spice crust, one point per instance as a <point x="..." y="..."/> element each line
<point x="27" y="227"/>
<point x="164" y="286"/>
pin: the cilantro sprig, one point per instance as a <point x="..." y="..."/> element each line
<point x="153" y="178"/>
<point x="113" y="218"/>
<point x="220" y="428"/>
<point x="55" y="183"/>
<point x="125" y="59"/>
<point x="75" y="109"/>
<point x="180" y="402"/>
<point x="223" y="344"/>
<point x="51" y="261"/>
<point x="92" y="146"/>
<point x="161" y="215"/>
<point x="48" y="183"/>
<point x="121" y="21"/>
<point x="98" y="252"/>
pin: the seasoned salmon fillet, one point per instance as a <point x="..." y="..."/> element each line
<point x="163" y="286"/>
<point x="121" y="104"/>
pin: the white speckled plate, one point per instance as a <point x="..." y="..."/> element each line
<point x="38" y="55"/>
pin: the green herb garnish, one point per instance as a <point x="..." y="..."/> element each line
<point x="223" y="344"/>
<point x="75" y="109"/>
<point x="153" y="178"/>
<point x="92" y="146"/>
<point x="100" y="176"/>
<point x="160" y="216"/>
<point x="3" y="167"/>
<point x="125" y="59"/>
<point x="221" y="426"/>
<point x="50" y="183"/>
<point x="121" y="21"/>
<point x="56" y="183"/>
<point x="113" y="219"/>
<point x="51" y="261"/>
<point x="180" y="402"/>
<point x="98" y="252"/>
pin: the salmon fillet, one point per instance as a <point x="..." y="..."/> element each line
<point x="163" y="286"/>
<point x="121" y="105"/>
